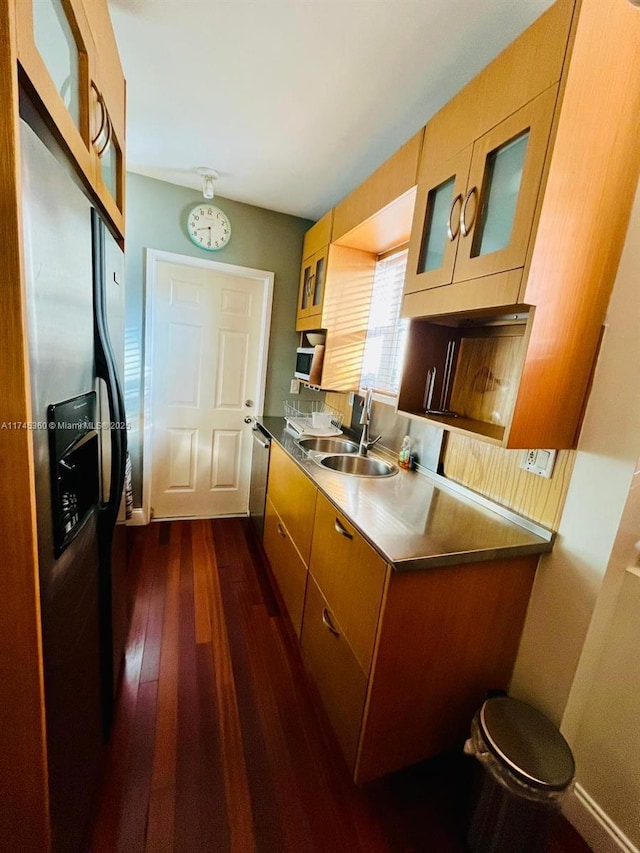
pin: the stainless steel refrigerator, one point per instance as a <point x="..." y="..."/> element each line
<point x="75" y="308"/>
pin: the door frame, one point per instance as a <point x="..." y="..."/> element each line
<point x="152" y="258"/>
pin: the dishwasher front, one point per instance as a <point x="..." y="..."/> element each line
<point x="259" y="471"/>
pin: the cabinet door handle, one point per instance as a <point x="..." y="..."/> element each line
<point x="281" y="531"/>
<point x="109" y="130"/>
<point x="339" y="528"/>
<point x="328" y="623"/>
<point x="103" y="115"/>
<point x="465" y="227"/>
<point x="450" y="232"/>
<point x="310" y="285"/>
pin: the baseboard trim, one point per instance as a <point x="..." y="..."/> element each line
<point x="594" y="825"/>
<point x="137" y="518"/>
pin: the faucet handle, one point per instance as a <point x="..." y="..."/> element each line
<point x="365" y="416"/>
<point x="375" y="440"/>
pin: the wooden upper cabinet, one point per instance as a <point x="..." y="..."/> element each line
<point x="481" y="171"/>
<point x="107" y="112"/>
<point x="356" y="219"/>
<point x="312" y="274"/>
<point x="334" y="293"/>
<point x="311" y="290"/>
<point x="475" y="210"/>
<point x="509" y="341"/>
<point x="68" y="53"/>
<point x="54" y="44"/>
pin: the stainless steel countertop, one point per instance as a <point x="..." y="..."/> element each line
<point x="416" y="520"/>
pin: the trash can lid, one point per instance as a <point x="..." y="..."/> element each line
<point x="527" y="742"/>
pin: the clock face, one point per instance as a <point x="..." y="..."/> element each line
<point x="208" y="227"/>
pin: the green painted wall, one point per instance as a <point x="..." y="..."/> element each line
<point x="262" y="239"/>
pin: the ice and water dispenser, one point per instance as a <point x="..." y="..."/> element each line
<point x="74" y="459"/>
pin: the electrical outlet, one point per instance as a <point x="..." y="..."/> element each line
<point x="539" y="462"/>
<point x="295" y="386"/>
<point x="351" y="397"/>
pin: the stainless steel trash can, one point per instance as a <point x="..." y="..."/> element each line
<point x="527" y="768"/>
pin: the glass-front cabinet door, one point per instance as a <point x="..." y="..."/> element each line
<point x="436" y="223"/>
<point x="57" y="44"/>
<point x="497" y="211"/>
<point x="320" y="267"/>
<point x="305" y="290"/>
<point x="53" y="44"/>
<point x="311" y="292"/>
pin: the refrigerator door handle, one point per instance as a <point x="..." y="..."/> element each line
<point x="106" y="371"/>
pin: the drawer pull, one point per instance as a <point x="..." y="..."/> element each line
<point x="339" y="528"/>
<point x="328" y="623"/>
<point x="281" y="531"/>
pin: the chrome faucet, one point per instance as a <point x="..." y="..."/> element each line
<point x="365" y="420"/>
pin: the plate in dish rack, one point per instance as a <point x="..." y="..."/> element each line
<point x="302" y="426"/>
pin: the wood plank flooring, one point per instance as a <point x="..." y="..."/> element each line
<point x="218" y="744"/>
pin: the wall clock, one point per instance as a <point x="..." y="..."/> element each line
<point x="208" y="227"/>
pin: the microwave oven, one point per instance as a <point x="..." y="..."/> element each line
<point x="309" y="364"/>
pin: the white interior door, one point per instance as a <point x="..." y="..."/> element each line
<point x="208" y="332"/>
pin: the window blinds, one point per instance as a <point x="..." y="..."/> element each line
<point x="386" y="332"/>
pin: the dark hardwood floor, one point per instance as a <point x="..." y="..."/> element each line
<point x="218" y="744"/>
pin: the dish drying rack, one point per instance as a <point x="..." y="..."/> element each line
<point x="299" y="417"/>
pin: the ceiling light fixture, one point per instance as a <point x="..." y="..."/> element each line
<point x="208" y="175"/>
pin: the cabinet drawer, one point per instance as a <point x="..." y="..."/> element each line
<point x="286" y="564"/>
<point x="293" y="496"/>
<point x="340" y="680"/>
<point x="351" y="576"/>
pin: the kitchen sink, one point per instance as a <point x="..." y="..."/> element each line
<point x="359" y="466"/>
<point x="328" y="445"/>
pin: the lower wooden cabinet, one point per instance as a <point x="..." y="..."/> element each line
<point x="336" y="672"/>
<point x="401" y="660"/>
<point x="286" y="563"/>
<point x="293" y="496"/>
<point x="351" y="575"/>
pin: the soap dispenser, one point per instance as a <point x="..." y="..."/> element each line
<point x="404" y="457"/>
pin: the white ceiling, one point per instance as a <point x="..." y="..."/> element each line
<point x="295" y="102"/>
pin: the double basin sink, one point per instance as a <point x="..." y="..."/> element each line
<point x="341" y="455"/>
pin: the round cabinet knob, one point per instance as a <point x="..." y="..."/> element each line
<point x="248" y="420"/>
<point x="248" y="403"/>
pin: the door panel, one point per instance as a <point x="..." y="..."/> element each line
<point x="207" y="335"/>
<point x="225" y="459"/>
<point x="182" y="445"/>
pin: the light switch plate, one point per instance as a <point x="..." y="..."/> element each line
<point x="295" y="386"/>
<point x="539" y="462"/>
